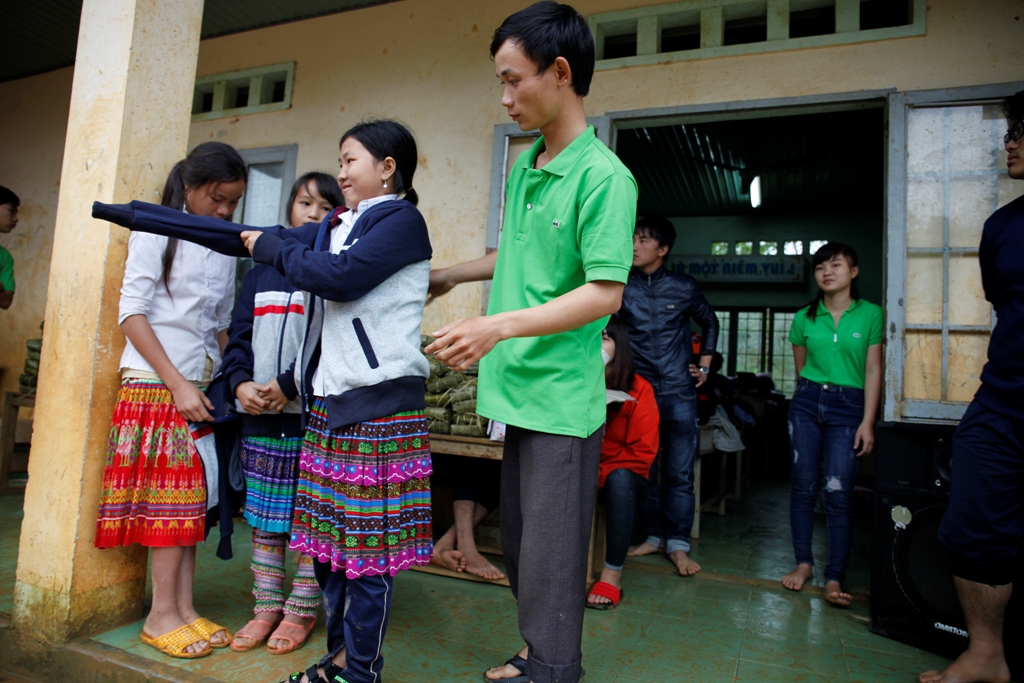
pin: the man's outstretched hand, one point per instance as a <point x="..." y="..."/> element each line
<point x="461" y="343"/>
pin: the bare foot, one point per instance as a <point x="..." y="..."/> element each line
<point x="796" y="579"/>
<point x="683" y="563"/>
<point x="644" y="548"/>
<point x="245" y="641"/>
<point x="156" y="626"/>
<point x="834" y="594"/>
<point x="449" y="559"/>
<point x="609" y="576"/>
<point x="506" y="670"/>
<point x="477" y="564"/>
<point x="971" y="667"/>
<point x="279" y="643"/>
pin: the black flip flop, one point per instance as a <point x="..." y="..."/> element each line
<point x="313" y="676"/>
<point x="519" y="664"/>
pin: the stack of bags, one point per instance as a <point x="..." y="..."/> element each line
<point x="451" y="399"/>
<point x="30" y="371"/>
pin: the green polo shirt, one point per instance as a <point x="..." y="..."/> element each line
<point x="6" y="270"/>
<point x="566" y="224"/>
<point x="838" y="354"/>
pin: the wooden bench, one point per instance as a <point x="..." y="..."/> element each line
<point x="8" y="427"/>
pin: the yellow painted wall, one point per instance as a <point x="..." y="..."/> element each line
<point x="426" y="62"/>
<point x="33" y="118"/>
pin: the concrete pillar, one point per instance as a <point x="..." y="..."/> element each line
<point x="130" y="110"/>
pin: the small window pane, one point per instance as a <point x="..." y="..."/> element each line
<point x="816" y="245"/>
<point x="769" y="248"/>
<point x="744" y="248"/>
<point x="793" y="248"/>
<point x="783" y="364"/>
<point x="724" y="318"/>
<point x="720" y="248"/>
<point x="749" y="341"/>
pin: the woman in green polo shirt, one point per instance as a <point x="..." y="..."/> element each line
<point x="837" y="344"/>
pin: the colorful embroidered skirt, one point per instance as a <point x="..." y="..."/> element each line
<point x="271" y="468"/>
<point x="363" y="502"/>
<point x="154" y="487"/>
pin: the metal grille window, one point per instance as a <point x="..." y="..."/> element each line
<point x="758" y="341"/>
<point x="783" y="367"/>
<point x="951" y="157"/>
<point x="749" y="356"/>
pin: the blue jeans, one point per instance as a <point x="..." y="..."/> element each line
<point x="823" y="422"/>
<point x="621" y="490"/>
<point x="668" y="511"/>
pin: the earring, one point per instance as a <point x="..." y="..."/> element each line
<point x="385" y="183"/>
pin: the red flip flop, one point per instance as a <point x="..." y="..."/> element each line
<point x="606" y="590"/>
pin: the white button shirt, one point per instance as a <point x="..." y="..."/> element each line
<point x="186" y="320"/>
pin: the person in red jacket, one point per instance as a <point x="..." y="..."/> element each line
<point x="627" y="451"/>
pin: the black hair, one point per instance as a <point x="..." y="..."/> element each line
<point x="1013" y="107"/>
<point x="657" y="228"/>
<point x="326" y="187"/>
<point x="547" y="30"/>
<point x="385" y="138"/>
<point x="8" y="197"/>
<point x="210" y="162"/>
<point x="621" y="372"/>
<point x="827" y="252"/>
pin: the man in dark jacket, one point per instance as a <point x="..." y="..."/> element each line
<point x="656" y="307"/>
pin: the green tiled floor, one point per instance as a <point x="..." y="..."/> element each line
<point x="667" y="629"/>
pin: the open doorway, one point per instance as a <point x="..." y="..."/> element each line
<point x="752" y="195"/>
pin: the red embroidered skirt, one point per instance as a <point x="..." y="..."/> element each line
<point x="154" y="485"/>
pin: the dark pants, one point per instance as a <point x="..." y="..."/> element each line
<point x="983" y="526"/>
<point x="823" y="422"/>
<point x="622" y="489"/>
<point x="669" y="509"/>
<point x="477" y="480"/>
<point x="548" y="492"/>
<point x="356" y="612"/>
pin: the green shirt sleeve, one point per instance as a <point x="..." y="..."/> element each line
<point x="797" y="337"/>
<point x="877" y="327"/>
<point x="605" y="229"/>
<point x="6" y="270"/>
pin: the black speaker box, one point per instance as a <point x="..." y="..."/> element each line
<point x="913" y="597"/>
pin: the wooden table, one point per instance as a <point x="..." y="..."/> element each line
<point x="472" y="447"/>
<point x="8" y="425"/>
<point x="716" y="502"/>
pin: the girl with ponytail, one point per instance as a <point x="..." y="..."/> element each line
<point x="837" y="345"/>
<point x="175" y="308"/>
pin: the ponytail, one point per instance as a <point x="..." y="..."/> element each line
<point x="210" y="162"/>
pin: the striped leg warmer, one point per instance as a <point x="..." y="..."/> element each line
<point x="268" y="569"/>
<point x="305" y="597"/>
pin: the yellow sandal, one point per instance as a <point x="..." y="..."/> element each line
<point x="207" y="628"/>
<point x="175" y="643"/>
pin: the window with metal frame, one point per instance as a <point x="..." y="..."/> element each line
<point x="271" y="175"/>
<point x="947" y="175"/>
<point x="252" y="91"/>
<point x="757" y="340"/>
<point x="701" y="29"/>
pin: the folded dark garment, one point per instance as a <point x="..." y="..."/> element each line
<point x="213" y="233"/>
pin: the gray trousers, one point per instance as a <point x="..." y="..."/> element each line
<point x="548" y="492"/>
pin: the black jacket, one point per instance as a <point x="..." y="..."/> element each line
<point x="656" y="309"/>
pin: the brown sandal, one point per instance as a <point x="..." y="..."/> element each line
<point x="257" y="631"/>
<point x="296" y="634"/>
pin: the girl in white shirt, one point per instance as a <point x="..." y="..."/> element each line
<point x="175" y="308"/>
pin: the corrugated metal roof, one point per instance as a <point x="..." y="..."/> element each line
<point x="42" y="35"/>
<point x="807" y="163"/>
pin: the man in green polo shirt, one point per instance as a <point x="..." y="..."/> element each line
<point x="564" y="257"/>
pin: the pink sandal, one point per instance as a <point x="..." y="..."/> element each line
<point x="256" y="630"/>
<point x="295" y="634"/>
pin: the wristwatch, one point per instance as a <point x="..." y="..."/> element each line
<point x="704" y="369"/>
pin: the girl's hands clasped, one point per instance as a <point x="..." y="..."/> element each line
<point x="274" y="397"/>
<point x="248" y="394"/>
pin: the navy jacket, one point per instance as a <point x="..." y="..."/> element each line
<point x="1002" y="275"/>
<point x="656" y="310"/>
<point x="377" y="283"/>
